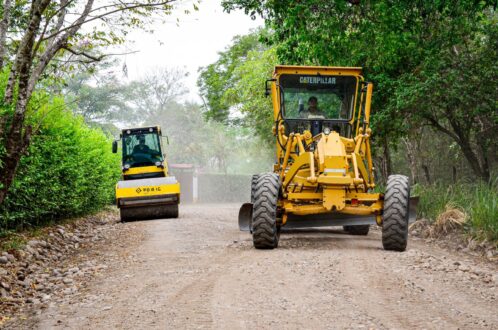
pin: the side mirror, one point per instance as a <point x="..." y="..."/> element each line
<point x="167" y="139"/>
<point x="267" y="88"/>
<point x="114" y="146"/>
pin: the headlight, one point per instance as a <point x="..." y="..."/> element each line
<point x="159" y="164"/>
<point x="151" y="129"/>
<point x="126" y="166"/>
<point x="326" y="130"/>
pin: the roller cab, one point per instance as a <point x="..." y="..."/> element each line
<point x="146" y="190"/>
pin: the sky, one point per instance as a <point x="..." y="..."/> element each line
<point x="192" y="43"/>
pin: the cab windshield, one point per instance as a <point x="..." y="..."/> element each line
<point x="141" y="149"/>
<point x="318" y="96"/>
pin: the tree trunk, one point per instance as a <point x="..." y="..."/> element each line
<point x="411" y="154"/>
<point x="18" y="137"/>
<point x="4" y="25"/>
<point x="461" y="134"/>
<point x="480" y="171"/>
<point x="386" y="160"/>
<point x="427" y="174"/>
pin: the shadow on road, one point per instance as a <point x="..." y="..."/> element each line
<point x="325" y="239"/>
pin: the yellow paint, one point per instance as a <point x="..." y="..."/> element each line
<point x="143" y="170"/>
<point x="143" y="191"/>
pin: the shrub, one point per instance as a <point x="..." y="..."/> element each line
<point x="478" y="200"/>
<point x="69" y="169"/>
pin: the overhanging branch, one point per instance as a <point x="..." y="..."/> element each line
<point x="78" y="24"/>
<point x="91" y="57"/>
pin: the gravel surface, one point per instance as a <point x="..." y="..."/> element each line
<point x="199" y="271"/>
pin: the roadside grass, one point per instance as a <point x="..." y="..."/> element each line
<point x="479" y="202"/>
<point x="10" y="240"/>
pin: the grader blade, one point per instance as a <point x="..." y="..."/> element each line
<point x="327" y="220"/>
<point x="337" y="219"/>
<point x="245" y="217"/>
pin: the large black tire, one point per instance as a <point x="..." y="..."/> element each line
<point x="265" y="232"/>
<point x="396" y="213"/>
<point x="254" y="181"/>
<point x="357" y="230"/>
<point x="149" y="212"/>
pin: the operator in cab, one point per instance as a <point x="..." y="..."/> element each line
<point x="313" y="112"/>
<point x="141" y="147"/>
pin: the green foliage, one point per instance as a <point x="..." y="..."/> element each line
<point x="234" y="86"/>
<point x="424" y="58"/>
<point x="247" y="92"/>
<point x="216" y="78"/>
<point x="69" y="168"/>
<point x="479" y="201"/>
<point x="106" y="101"/>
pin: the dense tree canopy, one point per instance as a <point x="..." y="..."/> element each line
<point x="40" y="37"/>
<point x="217" y="77"/>
<point x="412" y="51"/>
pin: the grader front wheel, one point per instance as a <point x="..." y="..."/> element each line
<point x="265" y="233"/>
<point x="396" y="213"/>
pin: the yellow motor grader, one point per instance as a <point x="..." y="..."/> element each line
<point x="146" y="190"/>
<point x="323" y="175"/>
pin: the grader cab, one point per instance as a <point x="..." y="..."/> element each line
<point x="324" y="175"/>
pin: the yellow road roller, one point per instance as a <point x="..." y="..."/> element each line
<point x="146" y="190"/>
<point x="324" y="174"/>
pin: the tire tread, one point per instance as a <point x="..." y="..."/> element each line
<point x="396" y="212"/>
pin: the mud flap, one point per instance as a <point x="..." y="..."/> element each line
<point x="245" y="217"/>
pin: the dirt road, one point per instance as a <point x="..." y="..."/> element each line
<point x="199" y="271"/>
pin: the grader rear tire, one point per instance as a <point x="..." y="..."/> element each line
<point x="396" y="213"/>
<point x="361" y="230"/>
<point x="265" y="233"/>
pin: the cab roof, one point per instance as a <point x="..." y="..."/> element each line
<point x="141" y="130"/>
<point x="315" y="70"/>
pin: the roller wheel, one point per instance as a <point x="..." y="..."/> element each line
<point x="357" y="230"/>
<point x="265" y="232"/>
<point x="171" y="211"/>
<point x="254" y="181"/>
<point x="149" y="212"/>
<point x="396" y="213"/>
<point x="124" y="215"/>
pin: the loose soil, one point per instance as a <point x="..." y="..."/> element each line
<point x="199" y="271"/>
